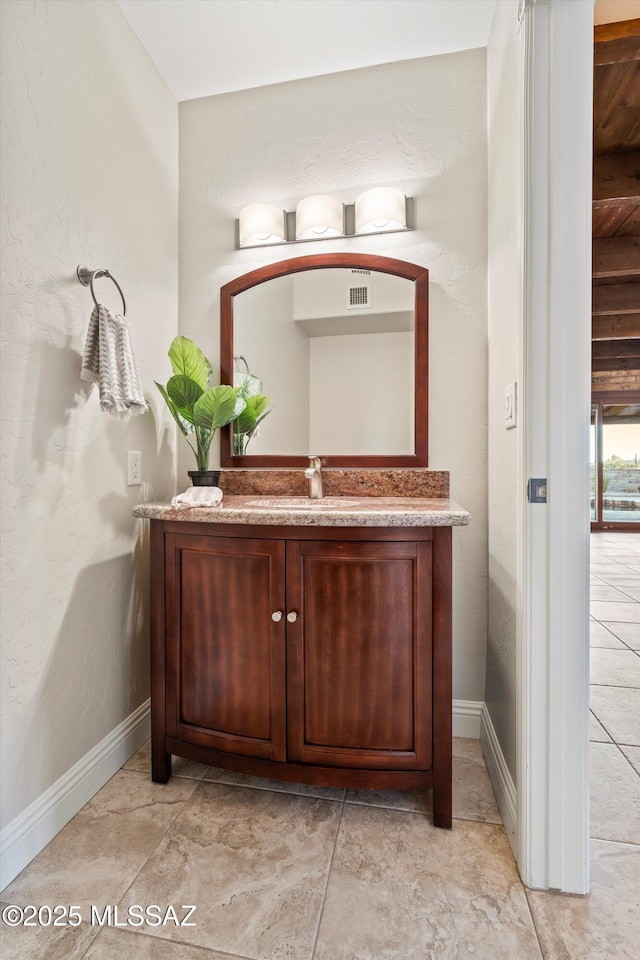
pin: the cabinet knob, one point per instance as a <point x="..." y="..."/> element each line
<point x="277" y="616"/>
<point x="292" y="617"/>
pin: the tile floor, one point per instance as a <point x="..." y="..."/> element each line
<point x="615" y="688"/>
<point x="285" y="872"/>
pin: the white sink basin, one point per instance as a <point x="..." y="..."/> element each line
<point x="287" y="503"/>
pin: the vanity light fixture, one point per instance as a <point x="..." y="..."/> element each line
<point x="261" y="223"/>
<point x="380" y="210"/>
<point x="321" y="217"/>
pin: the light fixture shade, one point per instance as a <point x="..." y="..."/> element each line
<point x="261" y="223"/>
<point x="380" y="209"/>
<point x="318" y="217"/>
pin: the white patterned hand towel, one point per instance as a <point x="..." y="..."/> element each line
<point x="109" y="361"/>
<point x="198" y="497"/>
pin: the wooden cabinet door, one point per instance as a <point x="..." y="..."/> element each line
<point x="359" y="654"/>
<point x="225" y="654"/>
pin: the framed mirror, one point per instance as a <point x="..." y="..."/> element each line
<point x="339" y="342"/>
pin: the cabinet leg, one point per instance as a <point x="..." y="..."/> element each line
<point x="160" y="765"/>
<point x="442" y="813"/>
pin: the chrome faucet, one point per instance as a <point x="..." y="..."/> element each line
<point x="314" y="476"/>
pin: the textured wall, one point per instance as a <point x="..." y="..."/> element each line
<point x="89" y="176"/>
<point x="504" y="67"/>
<point x="419" y="125"/>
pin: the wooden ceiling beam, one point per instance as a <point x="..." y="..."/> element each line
<point x="616" y="327"/>
<point x="616" y="363"/>
<point x="616" y="42"/>
<point x="616" y="257"/>
<point x="616" y="348"/>
<point x="616" y="108"/>
<point x="615" y="382"/>
<point x="616" y="176"/>
<point x="615" y="298"/>
<point x="616" y="218"/>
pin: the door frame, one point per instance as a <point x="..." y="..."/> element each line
<point x="552" y="642"/>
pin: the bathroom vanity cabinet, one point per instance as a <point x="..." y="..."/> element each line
<point x="315" y="654"/>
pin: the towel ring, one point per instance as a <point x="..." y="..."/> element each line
<point x="87" y="276"/>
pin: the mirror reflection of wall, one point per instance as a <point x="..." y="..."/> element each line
<point x="334" y="349"/>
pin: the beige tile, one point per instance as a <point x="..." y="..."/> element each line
<point x="617" y="668"/>
<point x="217" y="775"/>
<point x="631" y="591"/>
<point x="615" y="795"/>
<point x="255" y="864"/>
<point x="473" y="797"/>
<point x="607" y="592"/>
<point x="97" y="855"/>
<point x="602" y="926"/>
<point x="622" y="580"/>
<point x="597" y="732"/>
<point x="629" y="633"/>
<point x="411" y="801"/>
<point x="633" y="756"/>
<point x="610" y="610"/>
<point x="600" y="636"/>
<point x="130" y="945"/>
<point x="400" y="888"/>
<point x="618" y="556"/>
<point x="618" y="709"/>
<point x="141" y="761"/>
<point x="44" y="943"/>
<point x="600" y="567"/>
<point x="467" y="747"/>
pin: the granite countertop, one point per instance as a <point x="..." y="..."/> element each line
<point x="328" y="512"/>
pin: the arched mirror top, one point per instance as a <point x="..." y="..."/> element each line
<point x="340" y="344"/>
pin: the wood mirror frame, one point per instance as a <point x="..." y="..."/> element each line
<point x="361" y="261"/>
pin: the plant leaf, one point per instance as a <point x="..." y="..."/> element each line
<point x="259" y="404"/>
<point x="255" y="412"/>
<point x="240" y="404"/>
<point x="247" y="420"/>
<point x="247" y="385"/>
<point x="188" y="360"/>
<point x="185" y="426"/>
<point x="185" y="393"/>
<point x="215" y="408"/>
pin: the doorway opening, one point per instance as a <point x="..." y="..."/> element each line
<point x="615" y="462"/>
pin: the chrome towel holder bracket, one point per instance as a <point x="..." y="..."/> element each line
<point x="86" y="276"/>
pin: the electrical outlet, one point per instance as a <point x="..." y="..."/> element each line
<point x="510" y="409"/>
<point x="134" y="471"/>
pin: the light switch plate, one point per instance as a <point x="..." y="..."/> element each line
<point x="510" y="406"/>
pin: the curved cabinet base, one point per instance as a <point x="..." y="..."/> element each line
<point x="354" y="691"/>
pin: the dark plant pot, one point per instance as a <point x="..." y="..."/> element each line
<point x="204" y="478"/>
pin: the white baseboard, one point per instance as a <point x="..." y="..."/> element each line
<point x="501" y="780"/>
<point x="32" y="830"/>
<point x="466" y="718"/>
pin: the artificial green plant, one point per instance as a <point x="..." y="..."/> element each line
<point x="198" y="408"/>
